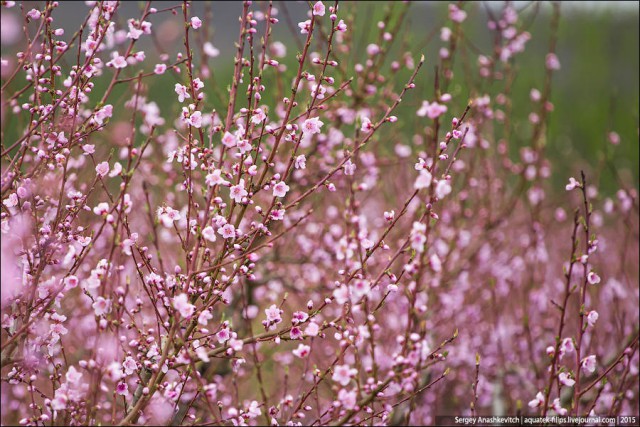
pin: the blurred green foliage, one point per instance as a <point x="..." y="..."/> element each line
<point x="595" y="91"/>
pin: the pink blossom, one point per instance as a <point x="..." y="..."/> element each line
<point x="60" y="400"/>
<point x="102" y="114"/>
<point x="102" y="169"/>
<point x="71" y="282"/>
<point x="229" y="140"/>
<point x="366" y="125"/>
<point x="592" y="318"/>
<point x="73" y="376"/>
<point x="445" y="34"/>
<point x="348" y="399"/>
<point x="253" y="410"/>
<point x="535" y="95"/>
<point x="195" y="119"/>
<point x="201" y="351"/>
<point x="280" y="189"/>
<point x="299" y="317"/>
<point x="181" y="303"/>
<point x="566" y="347"/>
<point x="122" y="389"/>
<point x="235" y="344"/>
<point x="342" y="374"/>
<point x="134" y="32"/>
<point x="197" y="84"/>
<point x="204" y="317"/>
<point x="456" y="14"/>
<point x="588" y="364"/>
<point x="312" y="126"/>
<point x="196" y="22"/>
<point x="373" y="49"/>
<point x="593" y="278"/>
<point x="538" y="401"/>
<point x="182" y="92"/>
<point x="556" y="406"/>
<point x="223" y="335"/>
<point x="349" y="167"/>
<point x="116" y="170"/>
<point x="435" y="263"/>
<point x="129" y="365"/>
<point x="118" y="61"/>
<point x="11" y="201"/>
<point x="442" y="188"/>
<point x="209" y="234"/>
<point x="305" y="26"/>
<point x="432" y="110"/>
<point x="572" y="184"/>
<point x="101" y="306"/>
<point x="160" y="68"/>
<point x="566" y="380"/>
<point x="614" y="138"/>
<point x="552" y="62"/>
<point x="243" y="145"/>
<point x="227" y="231"/>
<point x="274" y="316"/>
<point x="168" y="216"/>
<point x="302" y="351"/>
<point x="301" y="162"/>
<point x="114" y="371"/>
<point x="277" y="214"/>
<point x="237" y="192"/>
<point x="210" y="50"/>
<point x="295" y="333"/>
<point x="258" y="116"/>
<point x="34" y="14"/>
<point x="318" y="9"/>
<point x="417" y="238"/>
<point x="215" y="178"/>
<point x="423" y="180"/>
<point x="312" y="329"/>
<point x="101" y="209"/>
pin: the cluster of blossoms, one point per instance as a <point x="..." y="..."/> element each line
<point x="285" y="255"/>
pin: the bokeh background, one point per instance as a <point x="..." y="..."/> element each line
<point x="594" y="93"/>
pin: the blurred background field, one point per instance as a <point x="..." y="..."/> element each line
<point x="595" y="91"/>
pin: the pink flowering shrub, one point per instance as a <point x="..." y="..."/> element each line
<point x="340" y="237"/>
